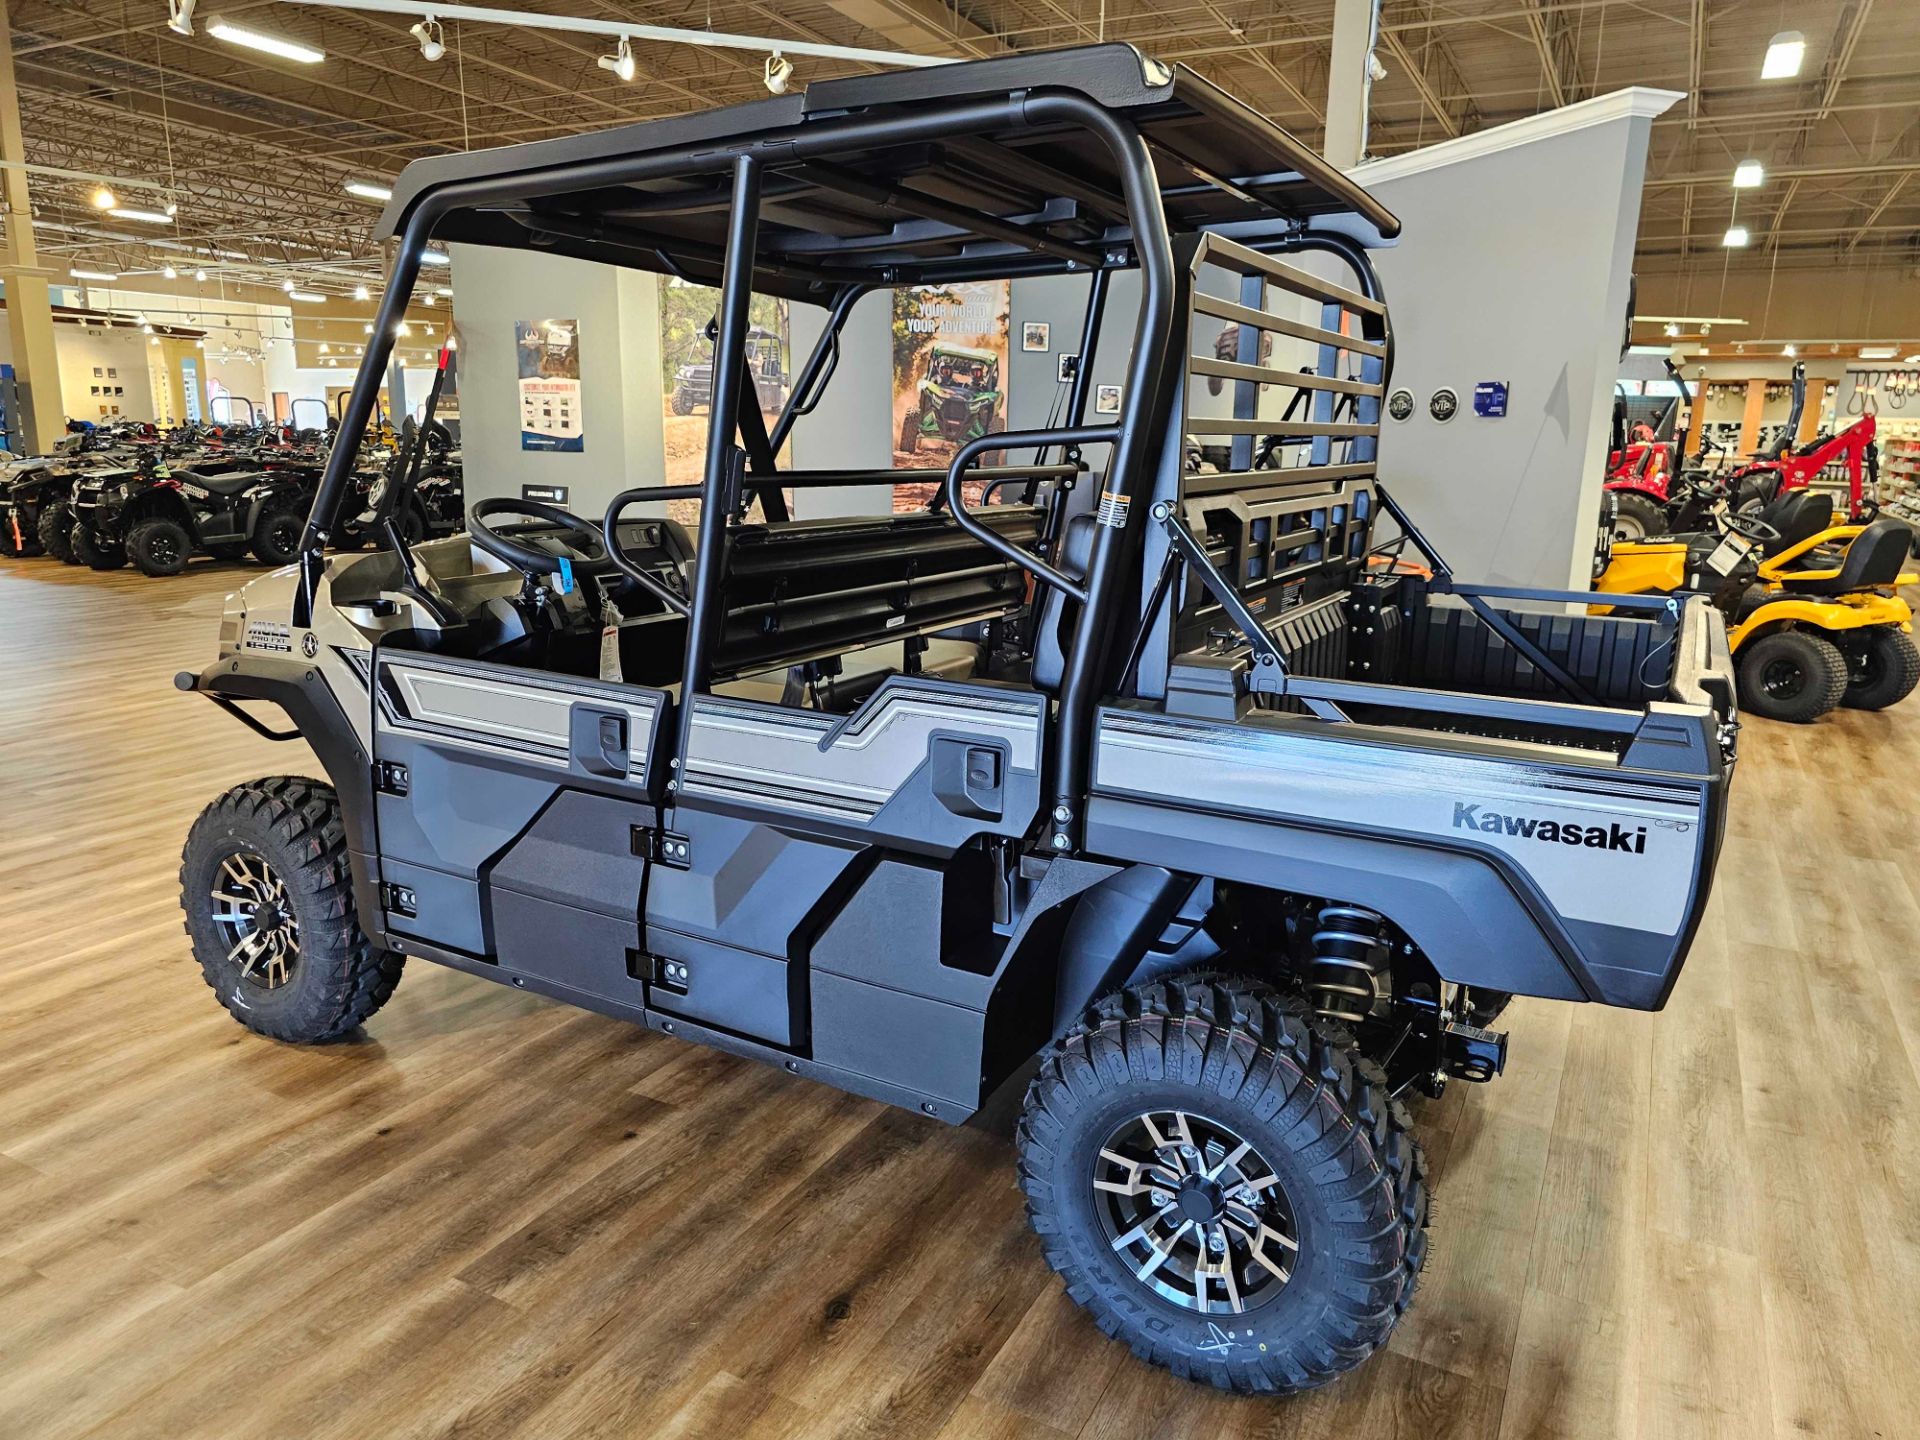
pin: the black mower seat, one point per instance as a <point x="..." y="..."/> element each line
<point x="1798" y="515"/>
<point x="1872" y="561"/>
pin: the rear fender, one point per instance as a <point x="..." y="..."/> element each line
<point x="1855" y="612"/>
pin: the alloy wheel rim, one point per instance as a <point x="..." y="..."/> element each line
<point x="1195" y="1212"/>
<point x="253" y="915"/>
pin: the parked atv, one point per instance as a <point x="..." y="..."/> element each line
<point x="958" y="399"/>
<point x="1814" y="620"/>
<point x="159" y="516"/>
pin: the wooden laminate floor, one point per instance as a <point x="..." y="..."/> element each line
<point x="493" y="1216"/>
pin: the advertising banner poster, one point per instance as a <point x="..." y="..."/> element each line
<point x="549" y="355"/>
<point x="949" y="370"/>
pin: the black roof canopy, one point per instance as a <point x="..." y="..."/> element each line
<point x="1007" y="197"/>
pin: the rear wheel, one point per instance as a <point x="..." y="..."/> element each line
<point x="1883" y="666"/>
<point x="55" y="529"/>
<point x="159" y="547"/>
<point x="1635" y="517"/>
<point x="276" y="539"/>
<point x="268" y="896"/>
<point x="1224" y="1184"/>
<point x="1791" y="675"/>
<point x="96" y="552"/>
<point x="910" y="433"/>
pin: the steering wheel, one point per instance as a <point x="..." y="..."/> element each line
<point x="526" y="558"/>
<point x="1751" y="527"/>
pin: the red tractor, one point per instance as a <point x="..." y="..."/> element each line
<point x="1641" y="466"/>
<point x="1792" y="467"/>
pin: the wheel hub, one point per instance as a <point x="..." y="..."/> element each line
<point x="254" y="917"/>
<point x="1195" y="1212"/>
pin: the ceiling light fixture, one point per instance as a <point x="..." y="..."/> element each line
<point x="145" y="217"/>
<point x="1735" y="238"/>
<point x="1878" y="352"/>
<point x="621" y="63"/>
<point x="367" y="190"/>
<point x="360" y="292"/>
<point x="1788" y="351"/>
<point x="173" y="209"/>
<point x="180" y="16"/>
<point x="93" y="274"/>
<point x="1748" y="175"/>
<point x="426" y="299"/>
<point x="1784" y="54"/>
<point x="306" y="297"/>
<point x="201" y="276"/>
<point x="222" y="28"/>
<point x="103" y="198"/>
<point x="435" y="257"/>
<point x="433" y="44"/>
<point x="779" y="73"/>
<point x="1672" y="329"/>
<point x="169" y="272"/>
<point x="287" y="286"/>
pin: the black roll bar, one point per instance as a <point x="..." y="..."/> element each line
<point x="610" y="538"/>
<point x="1019" y="440"/>
<point x="723" y="456"/>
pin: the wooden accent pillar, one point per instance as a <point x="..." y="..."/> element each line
<point x="1750" y="419"/>
<point x="1810" y="417"/>
<point x="1697" y="420"/>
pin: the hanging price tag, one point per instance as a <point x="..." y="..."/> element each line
<point x="610" y="641"/>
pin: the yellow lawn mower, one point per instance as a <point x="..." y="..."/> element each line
<point x="1813" y="616"/>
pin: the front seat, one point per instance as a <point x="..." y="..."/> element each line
<point x="1872" y="562"/>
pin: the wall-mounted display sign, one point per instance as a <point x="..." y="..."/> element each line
<point x="949" y="370"/>
<point x="1444" y="404"/>
<point x="549" y="356"/>
<point x="546" y="494"/>
<point x="1490" y="399"/>
<point x="1400" y="404"/>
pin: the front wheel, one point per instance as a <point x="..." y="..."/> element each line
<point x="1791" y="675"/>
<point x="276" y="539"/>
<point x="910" y="433"/>
<point x="55" y="529"/>
<point x="159" y="547"/>
<point x="95" y="551"/>
<point x="1224" y="1184"/>
<point x="268" y="896"/>
<point x="1883" y="666"/>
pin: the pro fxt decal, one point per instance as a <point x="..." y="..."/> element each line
<point x="1527" y="827"/>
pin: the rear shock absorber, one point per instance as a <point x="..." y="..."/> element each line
<point x="1349" y="951"/>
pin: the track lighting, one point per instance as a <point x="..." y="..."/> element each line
<point x="169" y="272"/>
<point x="1672" y="330"/>
<point x="180" y="16"/>
<point x="287" y="286"/>
<point x="433" y="44"/>
<point x="172" y="208"/>
<point x="621" y="61"/>
<point x="222" y="28"/>
<point x="1789" y="351"/>
<point x="779" y="73"/>
<point x="201" y="276"/>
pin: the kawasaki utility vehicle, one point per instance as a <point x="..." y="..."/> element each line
<point x="1144" y="782"/>
<point x="958" y="398"/>
<point x="766" y="362"/>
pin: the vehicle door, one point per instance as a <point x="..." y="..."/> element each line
<point x="515" y="814"/>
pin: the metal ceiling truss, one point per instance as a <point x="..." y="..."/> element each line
<point x="262" y="148"/>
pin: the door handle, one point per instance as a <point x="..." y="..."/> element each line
<point x="598" y="740"/>
<point x="969" y="777"/>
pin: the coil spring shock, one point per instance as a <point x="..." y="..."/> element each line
<point x="1349" y="951"/>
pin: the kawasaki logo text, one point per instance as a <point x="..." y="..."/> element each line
<point x="1594" y="837"/>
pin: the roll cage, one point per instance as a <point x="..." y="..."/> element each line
<point x="1093" y="160"/>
